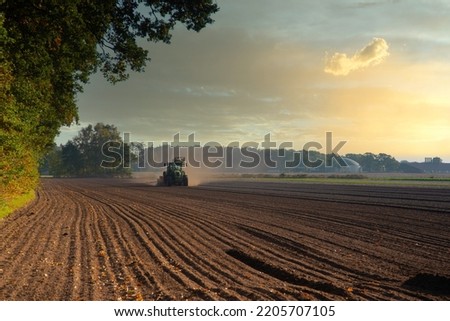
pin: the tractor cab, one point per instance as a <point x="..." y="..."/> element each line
<point x="174" y="173"/>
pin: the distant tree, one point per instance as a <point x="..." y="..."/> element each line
<point x="389" y="163"/>
<point x="138" y="151"/>
<point x="84" y="155"/>
<point x="92" y="142"/>
<point x="52" y="162"/>
<point x="375" y="163"/>
<point x="71" y="160"/>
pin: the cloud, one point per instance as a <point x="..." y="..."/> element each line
<point x="371" y="55"/>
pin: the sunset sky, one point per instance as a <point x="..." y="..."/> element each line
<point x="375" y="73"/>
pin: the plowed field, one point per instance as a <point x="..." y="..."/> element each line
<point x="93" y="239"/>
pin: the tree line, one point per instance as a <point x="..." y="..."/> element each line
<point x="99" y="151"/>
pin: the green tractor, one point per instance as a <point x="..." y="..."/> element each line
<point x="174" y="173"/>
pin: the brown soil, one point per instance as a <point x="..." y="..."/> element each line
<point x="93" y="239"/>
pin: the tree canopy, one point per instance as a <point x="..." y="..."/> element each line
<point x="49" y="48"/>
<point x="53" y="46"/>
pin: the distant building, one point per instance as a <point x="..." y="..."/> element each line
<point x="431" y="165"/>
<point x="436" y="160"/>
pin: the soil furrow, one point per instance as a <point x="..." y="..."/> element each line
<point x="111" y="239"/>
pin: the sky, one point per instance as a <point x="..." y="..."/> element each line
<point x="375" y="73"/>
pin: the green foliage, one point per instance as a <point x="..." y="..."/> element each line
<point x="376" y="163"/>
<point x="96" y="151"/>
<point x="52" y="49"/>
<point x="49" y="48"/>
<point x="18" y="158"/>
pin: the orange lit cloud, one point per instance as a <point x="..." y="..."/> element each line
<point x="373" y="54"/>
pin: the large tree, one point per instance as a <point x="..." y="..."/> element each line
<point x="50" y="47"/>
